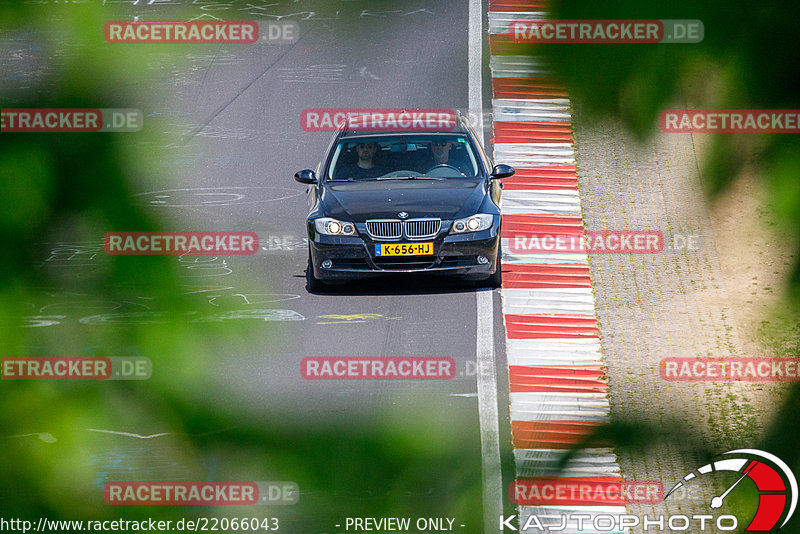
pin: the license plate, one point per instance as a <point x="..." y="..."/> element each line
<point x="404" y="249"/>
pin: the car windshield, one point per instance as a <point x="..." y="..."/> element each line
<point x="429" y="157"/>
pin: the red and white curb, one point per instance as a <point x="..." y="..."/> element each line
<point x="558" y="391"/>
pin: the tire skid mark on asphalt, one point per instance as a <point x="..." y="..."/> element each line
<point x="186" y="197"/>
<point x="558" y="387"/>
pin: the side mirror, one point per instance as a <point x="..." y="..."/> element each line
<point x="306" y="176"/>
<point x="501" y="171"/>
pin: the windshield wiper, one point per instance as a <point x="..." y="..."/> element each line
<point x="341" y="179"/>
<point x="408" y="178"/>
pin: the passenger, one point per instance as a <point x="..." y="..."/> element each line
<point x="365" y="167"/>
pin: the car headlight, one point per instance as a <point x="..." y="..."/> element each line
<point x="328" y="226"/>
<point x="476" y="223"/>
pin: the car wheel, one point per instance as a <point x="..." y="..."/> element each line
<point x="313" y="284"/>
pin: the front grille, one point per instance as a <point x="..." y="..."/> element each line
<point x="421" y="228"/>
<point x="412" y="229"/>
<point x="384" y="229"/>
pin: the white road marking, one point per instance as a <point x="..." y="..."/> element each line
<point x="488" y="413"/>
<point x="486" y="377"/>
<point x="475" y="78"/>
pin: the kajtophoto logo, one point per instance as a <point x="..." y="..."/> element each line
<point x="774" y="482"/>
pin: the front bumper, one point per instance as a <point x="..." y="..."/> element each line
<point x="354" y="257"/>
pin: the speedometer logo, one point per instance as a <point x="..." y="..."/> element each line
<point x="776" y="484"/>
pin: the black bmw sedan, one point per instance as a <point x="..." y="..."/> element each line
<point x="389" y="202"/>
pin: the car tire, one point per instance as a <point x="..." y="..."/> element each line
<point x="313" y="284"/>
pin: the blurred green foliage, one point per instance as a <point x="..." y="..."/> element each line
<point x="66" y="187"/>
<point x="65" y="191"/>
<point x="748" y="60"/>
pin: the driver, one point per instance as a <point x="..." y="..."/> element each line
<point x="365" y="167"/>
<point x="439" y="154"/>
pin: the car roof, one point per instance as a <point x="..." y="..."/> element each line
<point x="404" y="122"/>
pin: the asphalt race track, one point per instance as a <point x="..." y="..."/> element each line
<point x="232" y="114"/>
<point x="592" y="370"/>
